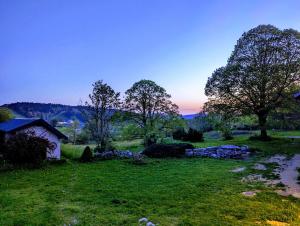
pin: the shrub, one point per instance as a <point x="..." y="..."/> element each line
<point x="82" y="138"/>
<point x="27" y="149"/>
<point x="194" y="136"/>
<point x="179" y="134"/>
<point x="87" y="155"/>
<point x="167" y="150"/>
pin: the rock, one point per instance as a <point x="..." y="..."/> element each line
<point x="124" y="154"/>
<point x="150" y="224"/>
<point x="143" y="220"/>
<point x="232" y="147"/>
<point x="104" y="155"/>
<point x="239" y="169"/>
<point x="259" y="166"/>
<point x="224" y="151"/>
<point x="211" y="148"/>
<point x="253" y="178"/>
<point x="189" y="153"/>
<point x="249" y="193"/>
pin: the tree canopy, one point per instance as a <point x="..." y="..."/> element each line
<point x="5" y="114"/>
<point x="264" y="65"/>
<point x="103" y="102"/>
<point x="148" y="104"/>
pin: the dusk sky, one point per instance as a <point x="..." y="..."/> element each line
<point x="51" y="51"/>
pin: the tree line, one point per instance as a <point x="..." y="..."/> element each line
<point x="147" y="104"/>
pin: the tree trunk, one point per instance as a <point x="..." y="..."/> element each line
<point x="262" y="119"/>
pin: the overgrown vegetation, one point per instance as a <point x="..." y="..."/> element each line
<point x="26" y="149"/>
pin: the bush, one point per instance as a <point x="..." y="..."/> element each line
<point x="82" y="138"/>
<point x="192" y="135"/>
<point x="27" y="149"/>
<point x="179" y="134"/>
<point x="167" y="150"/>
<point x="87" y="155"/>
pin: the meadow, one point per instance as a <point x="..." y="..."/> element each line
<point x="174" y="191"/>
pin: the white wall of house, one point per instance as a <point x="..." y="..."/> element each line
<point x="43" y="132"/>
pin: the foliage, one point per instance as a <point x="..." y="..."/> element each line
<point x="221" y="123"/>
<point x="247" y="122"/>
<point x="264" y="65"/>
<point x="87" y="155"/>
<point x="102" y="100"/>
<point x="150" y="107"/>
<point x="166" y="150"/>
<point x="5" y="114"/>
<point x="179" y="133"/>
<point x="131" y="131"/>
<point x="200" y="123"/>
<point x="192" y="135"/>
<point x="83" y="137"/>
<point x="27" y="149"/>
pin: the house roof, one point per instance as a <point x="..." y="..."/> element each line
<point x="23" y="123"/>
<point x="297" y="95"/>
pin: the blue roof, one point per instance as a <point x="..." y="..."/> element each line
<point x="22" y="123"/>
<point x="297" y="95"/>
<point x="15" y="123"/>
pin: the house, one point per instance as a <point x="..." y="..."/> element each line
<point x="39" y="126"/>
<point x="297" y="96"/>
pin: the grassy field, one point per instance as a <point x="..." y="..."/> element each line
<point x="166" y="191"/>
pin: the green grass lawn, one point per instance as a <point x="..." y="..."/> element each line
<point x="166" y="191"/>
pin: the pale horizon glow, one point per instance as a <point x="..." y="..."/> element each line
<point x="52" y="51"/>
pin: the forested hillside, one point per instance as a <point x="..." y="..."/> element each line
<point x="47" y="111"/>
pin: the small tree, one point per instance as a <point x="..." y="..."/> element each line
<point x="148" y="104"/>
<point x="265" y="63"/>
<point x="103" y="103"/>
<point x="221" y="123"/>
<point x="74" y="130"/>
<point x="87" y="155"/>
<point x="5" y="114"/>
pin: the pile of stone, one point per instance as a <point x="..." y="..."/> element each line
<point x="113" y="154"/>
<point x="224" y="152"/>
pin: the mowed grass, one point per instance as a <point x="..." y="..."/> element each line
<point x="71" y="151"/>
<point x="166" y="191"/>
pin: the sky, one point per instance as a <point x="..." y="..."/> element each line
<point x="51" y="51"/>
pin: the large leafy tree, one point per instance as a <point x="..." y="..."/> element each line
<point x="264" y="65"/>
<point x="150" y="107"/>
<point x="103" y="103"/>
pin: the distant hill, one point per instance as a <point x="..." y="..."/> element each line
<point x="192" y="116"/>
<point x="47" y="111"/>
<point x="55" y="111"/>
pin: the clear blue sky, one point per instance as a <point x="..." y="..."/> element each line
<point x="53" y="50"/>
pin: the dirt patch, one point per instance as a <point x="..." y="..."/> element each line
<point x="289" y="177"/>
<point x="277" y="223"/>
<point x="287" y="171"/>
